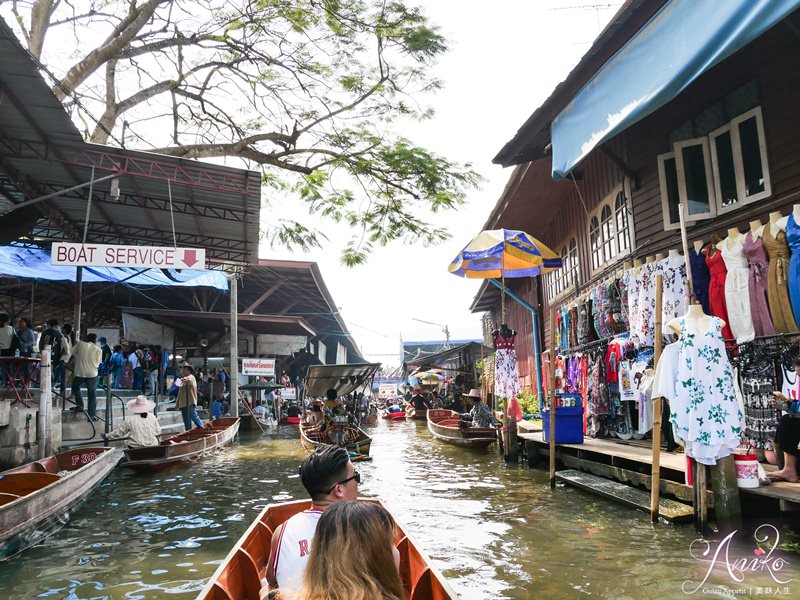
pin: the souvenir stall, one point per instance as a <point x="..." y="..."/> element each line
<point x="749" y="281"/>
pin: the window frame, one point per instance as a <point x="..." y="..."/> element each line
<point x="679" y="167"/>
<point x="564" y="280"/>
<point x="711" y="162"/>
<point x="738" y="159"/>
<point x="615" y="253"/>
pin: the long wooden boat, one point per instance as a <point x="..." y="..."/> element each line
<point x="37" y="499"/>
<point x="371" y="419"/>
<point x="293" y="420"/>
<point x="445" y="425"/>
<point x="394" y="416"/>
<point x="243" y="572"/>
<point x="310" y="438"/>
<point x="184" y="447"/>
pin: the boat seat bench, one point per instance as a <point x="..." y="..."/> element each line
<point x="22" y="484"/>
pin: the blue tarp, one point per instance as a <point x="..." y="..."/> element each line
<point x="682" y="41"/>
<point x="34" y="263"/>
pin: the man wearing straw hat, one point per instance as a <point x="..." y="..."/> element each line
<point x="480" y="415"/>
<point x="141" y="427"/>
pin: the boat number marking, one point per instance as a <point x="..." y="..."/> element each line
<point x="83" y="458"/>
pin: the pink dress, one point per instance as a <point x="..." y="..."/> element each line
<point x="759" y="267"/>
<point x="506" y="372"/>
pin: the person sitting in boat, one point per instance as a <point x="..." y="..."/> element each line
<point x="314" y="416"/>
<point x="395" y="407"/>
<point x="419" y="401"/>
<point x="259" y="411"/>
<point x="479" y="415"/>
<point x="141" y="427"/>
<point x="354" y="555"/>
<point x="329" y="478"/>
<point x="293" y="410"/>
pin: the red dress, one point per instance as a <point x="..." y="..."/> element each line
<point x="716" y="290"/>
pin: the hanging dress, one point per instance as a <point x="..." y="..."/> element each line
<point x="506" y="372"/>
<point x="793" y="240"/>
<point x="716" y="289"/>
<point x="646" y="325"/>
<point x="700" y="278"/>
<point x="759" y="304"/>
<point x="631" y="280"/>
<point x="737" y="290"/>
<point x="704" y="409"/>
<point x="675" y="287"/>
<point x="780" y="307"/>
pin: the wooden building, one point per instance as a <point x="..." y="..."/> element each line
<point x="735" y="129"/>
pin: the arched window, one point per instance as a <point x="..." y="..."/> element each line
<point x="566" y="278"/>
<point x="609" y="230"/>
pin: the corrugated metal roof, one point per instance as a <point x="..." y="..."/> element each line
<point x="41" y="151"/>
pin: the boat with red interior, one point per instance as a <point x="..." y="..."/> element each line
<point x="37" y="499"/>
<point x="446" y="426"/>
<point x="242" y="575"/>
<point x="184" y="447"/>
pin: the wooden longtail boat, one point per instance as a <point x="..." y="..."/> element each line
<point x="187" y="446"/>
<point x="445" y="425"/>
<point x="311" y="438"/>
<point x="242" y="575"/>
<point x="293" y="420"/>
<point x="37" y="499"/>
<point x="397" y="416"/>
<point x="371" y="419"/>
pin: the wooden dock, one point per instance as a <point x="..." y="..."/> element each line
<point x="670" y="510"/>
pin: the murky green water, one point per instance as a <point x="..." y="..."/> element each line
<point x="495" y="531"/>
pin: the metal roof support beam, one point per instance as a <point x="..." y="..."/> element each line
<point x="287" y="308"/>
<point x="56" y="194"/>
<point x="260" y="300"/>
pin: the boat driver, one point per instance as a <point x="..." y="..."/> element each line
<point x="329" y="477"/>
<point x="480" y="415"/>
<point x="419" y="401"/>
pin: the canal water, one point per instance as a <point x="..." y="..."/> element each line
<point x="496" y="531"/>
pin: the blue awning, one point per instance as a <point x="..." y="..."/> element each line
<point x="34" y="263"/>
<point x="682" y="41"/>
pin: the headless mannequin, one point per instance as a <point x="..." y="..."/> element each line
<point x="673" y="254"/>
<point x="698" y="246"/>
<point x="650" y="259"/>
<point x="637" y="263"/>
<point x="732" y="239"/>
<point x="712" y="247"/>
<point x="756" y="229"/>
<point x="776" y="223"/>
<point x="784" y="220"/>
<point x="695" y="318"/>
<point x="660" y="256"/>
<point x="626" y="265"/>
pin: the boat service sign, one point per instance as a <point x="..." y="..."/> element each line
<point x="108" y="255"/>
<point x="265" y="367"/>
<point x="288" y="393"/>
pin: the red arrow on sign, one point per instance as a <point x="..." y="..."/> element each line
<point x="189" y="257"/>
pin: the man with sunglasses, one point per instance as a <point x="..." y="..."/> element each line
<point x="329" y="477"/>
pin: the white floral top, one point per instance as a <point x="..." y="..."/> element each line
<point x="694" y="374"/>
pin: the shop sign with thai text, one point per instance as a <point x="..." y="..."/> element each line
<point x="264" y="367"/>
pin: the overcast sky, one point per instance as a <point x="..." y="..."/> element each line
<point x="505" y="58"/>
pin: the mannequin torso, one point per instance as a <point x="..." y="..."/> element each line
<point x="734" y="237"/>
<point x="660" y="256"/>
<point x="695" y="318"/>
<point x="781" y="223"/>
<point x="673" y="254"/>
<point x="698" y="246"/>
<point x="756" y="229"/>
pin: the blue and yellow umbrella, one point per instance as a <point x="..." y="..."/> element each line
<point x="500" y="253"/>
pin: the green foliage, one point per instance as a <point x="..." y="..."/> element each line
<point x="529" y="402"/>
<point x="311" y="91"/>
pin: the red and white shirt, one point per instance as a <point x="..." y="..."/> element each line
<point x="293" y="548"/>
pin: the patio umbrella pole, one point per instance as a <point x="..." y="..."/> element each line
<point x="552" y="394"/>
<point x="655" y="489"/>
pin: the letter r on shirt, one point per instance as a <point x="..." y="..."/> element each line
<point x="303" y="548"/>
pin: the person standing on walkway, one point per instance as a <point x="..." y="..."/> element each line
<point x="142" y="427"/>
<point x="135" y="360"/>
<point x="329" y="478"/>
<point x="105" y="349"/>
<point x="51" y="336"/>
<point x="187" y="398"/>
<point x="116" y="363"/>
<point x="87" y="359"/>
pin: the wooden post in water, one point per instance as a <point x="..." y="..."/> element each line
<point x="234" y="335"/>
<point x="552" y="394"/>
<point x="44" y="423"/>
<point x="655" y="490"/>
